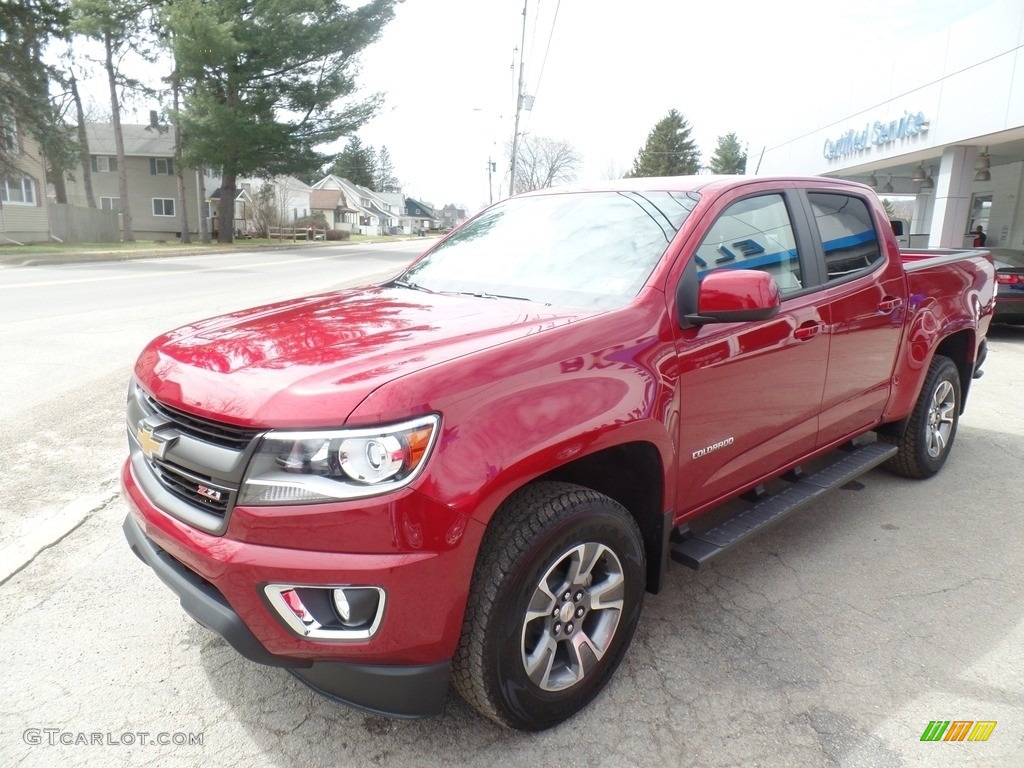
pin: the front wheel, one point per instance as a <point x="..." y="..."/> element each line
<point x="555" y="601"/>
<point x="925" y="445"/>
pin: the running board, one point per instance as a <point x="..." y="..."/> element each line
<point x="698" y="549"/>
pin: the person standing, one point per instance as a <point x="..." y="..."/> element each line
<point x="979" y="237"/>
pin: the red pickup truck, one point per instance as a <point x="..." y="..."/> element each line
<point x="472" y="473"/>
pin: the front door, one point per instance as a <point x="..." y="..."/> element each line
<point x="750" y="392"/>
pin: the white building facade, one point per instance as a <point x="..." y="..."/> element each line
<point x="946" y="126"/>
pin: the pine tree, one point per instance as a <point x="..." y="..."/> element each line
<point x="384" y="178"/>
<point x="25" y="105"/>
<point x="669" y="150"/>
<point x="268" y="82"/>
<point x="356" y="163"/>
<point x="730" y="158"/>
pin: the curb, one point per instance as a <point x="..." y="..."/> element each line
<point x="56" y="258"/>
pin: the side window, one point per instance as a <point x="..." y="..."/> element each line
<point x="847" y="232"/>
<point x="754" y="233"/>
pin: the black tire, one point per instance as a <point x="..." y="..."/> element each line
<point x="928" y="438"/>
<point x="556" y="597"/>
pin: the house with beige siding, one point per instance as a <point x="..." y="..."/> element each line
<point x="22" y="194"/>
<point x="153" y="186"/>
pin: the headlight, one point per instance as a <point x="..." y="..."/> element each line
<point x="309" y="467"/>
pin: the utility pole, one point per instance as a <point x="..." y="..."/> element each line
<point x="490" y="183"/>
<point x="519" y="106"/>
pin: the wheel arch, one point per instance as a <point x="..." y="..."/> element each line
<point x="633" y="475"/>
<point x="960" y="347"/>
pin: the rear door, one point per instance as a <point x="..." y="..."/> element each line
<point x="864" y="304"/>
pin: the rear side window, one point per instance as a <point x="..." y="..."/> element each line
<point x="753" y="233"/>
<point x="847" y="232"/>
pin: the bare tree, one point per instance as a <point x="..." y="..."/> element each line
<point x="544" y="162"/>
<point x="613" y="170"/>
<point x="83" y="143"/>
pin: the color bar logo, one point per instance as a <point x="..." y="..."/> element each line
<point x="958" y="730"/>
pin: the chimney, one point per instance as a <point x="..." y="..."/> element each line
<point x="154" y="120"/>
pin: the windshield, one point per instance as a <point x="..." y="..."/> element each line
<point x="584" y="249"/>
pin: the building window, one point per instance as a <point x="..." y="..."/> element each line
<point x="160" y="166"/>
<point x="163" y="206"/>
<point x="110" y="204"/>
<point x="20" y="191"/>
<point x="104" y="164"/>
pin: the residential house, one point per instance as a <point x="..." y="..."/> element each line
<point x="421" y="216"/>
<point x="332" y="205"/>
<point x="149" y="154"/>
<point x="259" y="203"/>
<point x="152" y="184"/>
<point x="451" y="216"/>
<point x="23" y="217"/>
<point x="371" y="212"/>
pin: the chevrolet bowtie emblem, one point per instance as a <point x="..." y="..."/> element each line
<point x="153" y="445"/>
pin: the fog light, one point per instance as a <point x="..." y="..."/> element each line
<point x="357" y="606"/>
<point x="328" y="613"/>
<point x="341" y="603"/>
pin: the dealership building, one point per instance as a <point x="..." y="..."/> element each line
<point x="943" y="125"/>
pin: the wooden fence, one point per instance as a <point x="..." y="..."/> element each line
<point x="296" y="233"/>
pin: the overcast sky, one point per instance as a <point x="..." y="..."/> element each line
<point x="603" y="72"/>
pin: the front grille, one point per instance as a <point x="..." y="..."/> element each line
<point x="218" y="433"/>
<point x="202" y="492"/>
<point x="195" y="464"/>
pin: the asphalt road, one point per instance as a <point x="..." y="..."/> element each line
<point x="834" y="638"/>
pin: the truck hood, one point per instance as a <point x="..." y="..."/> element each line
<point x="309" y="362"/>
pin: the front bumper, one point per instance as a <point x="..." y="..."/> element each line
<point x="395" y="690"/>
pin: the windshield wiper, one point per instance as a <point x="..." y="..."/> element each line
<point x="401" y="283"/>
<point x="483" y="295"/>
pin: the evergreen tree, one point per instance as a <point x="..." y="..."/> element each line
<point x="356" y="163"/>
<point x="384" y="178"/>
<point x="730" y="158"/>
<point x="270" y="81"/>
<point x="25" y="106"/>
<point x="669" y="150"/>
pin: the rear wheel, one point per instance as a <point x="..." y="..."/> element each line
<point x="555" y="601"/>
<point x="925" y="445"/>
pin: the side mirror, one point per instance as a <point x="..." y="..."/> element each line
<point x="897" y="227"/>
<point x="735" y="296"/>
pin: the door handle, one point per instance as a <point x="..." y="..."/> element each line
<point x="888" y="304"/>
<point x="808" y="331"/>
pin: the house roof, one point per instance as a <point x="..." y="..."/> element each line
<point x="378" y="212"/>
<point x="328" y="200"/>
<point x="139" y="140"/>
<point x="428" y="209"/>
<point x="240" y="194"/>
